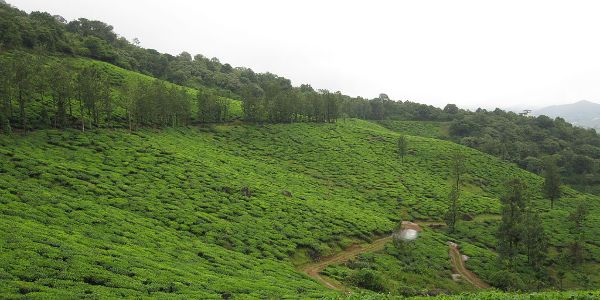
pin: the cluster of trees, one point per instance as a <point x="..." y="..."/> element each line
<point x="577" y="219"/>
<point x="24" y="86"/>
<point x="521" y="228"/>
<point x="275" y="100"/>
<point x="156" y="104"/>
<point x="521" y="233"/>
<point x="36" y="92"/>
<point x="530" y="141"/>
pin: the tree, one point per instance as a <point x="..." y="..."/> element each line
<point x="582" y="164"/>
<point x="24" y="72"/>
<point x="377" y="109"/>
<point x="61" y="89"/>
<point x="577" y="219"/>
<point x="368" y="279"/>
<point x="510" y="230"/>
<point x="107" y="99"/>
<point x="90" y="90"/>
<point x="6" y="94"/>
<point x="253" y="103"/>
<point x="40" y="88"/>
<point x="536" y="241"/>
<point x="126" y="100"/>
<point x="561" y="268"/>
<point x="210" y="107"/>
<point x="331" y="106"/>
<point x="451" y="109"/>
<point x="402" y="147"/>
<point x="551" y="188"/>
<point x="451" y="215"/>
<point x="457" y="168"/>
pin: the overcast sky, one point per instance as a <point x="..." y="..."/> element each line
<point x="472" y="53"/>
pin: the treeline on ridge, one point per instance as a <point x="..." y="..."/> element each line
<point x="40" y="91"/>
<point x="266" y="97"/>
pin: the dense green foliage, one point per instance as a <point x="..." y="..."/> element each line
<point x="527" y="141"/>
<point x="39" y="91"/>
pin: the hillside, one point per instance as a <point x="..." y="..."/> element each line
<point x="129" y="173"/>
<point x="583" y="113"/>
<point x="38" y="87"/>
<point x="229" y="210"/>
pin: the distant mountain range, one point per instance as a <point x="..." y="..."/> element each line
<point x="583" y="113"/>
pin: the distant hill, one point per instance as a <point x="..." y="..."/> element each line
<point x="583" y="113"/>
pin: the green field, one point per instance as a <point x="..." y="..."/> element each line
<point x="228" y="210"/>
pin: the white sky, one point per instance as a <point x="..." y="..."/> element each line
<point x="472" y="53"/>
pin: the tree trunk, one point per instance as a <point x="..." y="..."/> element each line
<point x="22" y="110"/>
<point x="61" y="113"/>
<point x="82" y="116"/>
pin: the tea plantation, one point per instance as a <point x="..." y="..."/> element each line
<point x="228" y="211"/>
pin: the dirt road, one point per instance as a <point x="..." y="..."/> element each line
<point x="314" y="269"/>
<point x="459" y="267"/>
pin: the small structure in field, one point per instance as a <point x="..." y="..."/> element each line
<point x="408" y="232"/>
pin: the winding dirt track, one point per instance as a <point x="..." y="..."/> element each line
<point x="459" y="266"/>
<point x="314" y="269"/>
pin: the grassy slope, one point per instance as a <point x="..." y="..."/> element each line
<point x="159" y="212"/>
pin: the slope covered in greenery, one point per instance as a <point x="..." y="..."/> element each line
<point x="271" y="98"/>
<point x="229" y="209"/>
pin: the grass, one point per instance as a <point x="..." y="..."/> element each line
<point x="225" y="210"/>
